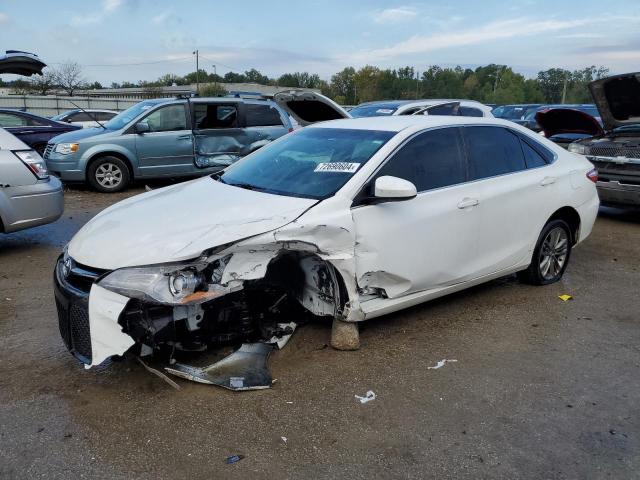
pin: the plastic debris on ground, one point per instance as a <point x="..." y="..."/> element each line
<point x="441" y="364"/>
<point x="565" y="297"/>
<point x="233" y="459"/>
<point x="367" y="397"/>
<point x="244" y="369"/>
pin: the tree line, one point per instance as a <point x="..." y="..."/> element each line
<point x="493" y="83"/>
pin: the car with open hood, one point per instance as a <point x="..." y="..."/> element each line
<point x="347" y="219"/>
<point x="611" y="144"/>
<point x="165" y="137"/>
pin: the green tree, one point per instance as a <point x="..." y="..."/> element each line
<point x="212" y="90"/>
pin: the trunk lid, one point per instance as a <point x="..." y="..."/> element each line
<point x="309" y="107"/>
<point x="21" y="63"/>
<point x="617" y="99"/>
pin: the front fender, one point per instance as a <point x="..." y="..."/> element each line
<point x="106" y="149"/>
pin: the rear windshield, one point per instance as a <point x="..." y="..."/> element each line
<point x="311" y="163"/>
<point x="373" y="110"/>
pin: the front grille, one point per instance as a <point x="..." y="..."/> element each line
<point x="63" y="324"/>
<point x="80" y="333"/>
<point x="48" y="150"/>
<point x="74" y="329"/>
<point x="614" y="152"/>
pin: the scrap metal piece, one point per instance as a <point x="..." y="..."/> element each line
<point x="244" y="369"/>
<point x="159" y="374"/>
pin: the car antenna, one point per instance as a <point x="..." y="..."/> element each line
<point x="95" y="119"/>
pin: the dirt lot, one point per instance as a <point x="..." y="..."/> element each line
<point x="541" y="388"/>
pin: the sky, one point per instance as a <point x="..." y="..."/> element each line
<point x="132" y="40"/>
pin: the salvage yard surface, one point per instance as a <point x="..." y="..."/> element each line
<point x="540" y="387"/>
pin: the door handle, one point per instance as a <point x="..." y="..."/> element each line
<point x="468" y="202"/>
<point x="184" y="137"/>
<point x="548" y="181"/>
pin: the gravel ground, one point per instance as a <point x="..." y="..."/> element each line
<point x="541" y="389"/>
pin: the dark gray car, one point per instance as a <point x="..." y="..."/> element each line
<point x="175" y="137"/>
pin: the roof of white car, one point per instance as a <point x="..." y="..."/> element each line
<point x="401" y="122"/>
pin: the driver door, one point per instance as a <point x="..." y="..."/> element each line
<point x="431" y="240"/>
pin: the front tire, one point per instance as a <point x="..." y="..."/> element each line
<point x="108" y="174"/>
<point x="551" y="255"/>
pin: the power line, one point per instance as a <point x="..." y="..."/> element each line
<point x="182" y="59"/>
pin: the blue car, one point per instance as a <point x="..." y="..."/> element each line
<point x="177" y="137"/>
<point x="34" y="130"/>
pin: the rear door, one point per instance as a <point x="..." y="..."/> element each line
<point x="219" y="135"/>
<point x="167" y="148"/>
<point x="515" y="191"/>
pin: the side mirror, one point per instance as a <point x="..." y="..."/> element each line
<point x="393" y="189"/>
<point x="142" y="127"/>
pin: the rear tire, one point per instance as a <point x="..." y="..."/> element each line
<point x="108" y="174"/>
<point x="551" y="255"/>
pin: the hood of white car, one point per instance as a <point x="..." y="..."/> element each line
<point x="179" y="222"/>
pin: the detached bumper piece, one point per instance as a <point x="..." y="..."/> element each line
<point x="244" y="369"/>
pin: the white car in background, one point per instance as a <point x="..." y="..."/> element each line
<point x="86" y="118"/>
<point x="348" y="219"/>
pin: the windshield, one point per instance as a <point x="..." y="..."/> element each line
<point x="311" y="163"/>
<point x="123" y="118"/>
<point x="373" y="110"/>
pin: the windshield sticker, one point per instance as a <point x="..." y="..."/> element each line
<point x="146" y="107"/>
<point x="384" y="111"/>
<point x="341" y="167"/>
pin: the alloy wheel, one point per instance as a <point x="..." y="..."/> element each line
<point x="553" y="253"/>
<point x="109" y="175"/>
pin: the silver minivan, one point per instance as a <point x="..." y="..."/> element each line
<point x="166" y="137"/>
<point x="28" y="195"/>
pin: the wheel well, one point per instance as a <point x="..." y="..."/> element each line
<point x="572" y="217"/>
<point x="312" y="280"/>
<point x="111" y="154"/>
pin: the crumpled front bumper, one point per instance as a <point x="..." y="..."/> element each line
<point x="88" y="316"/>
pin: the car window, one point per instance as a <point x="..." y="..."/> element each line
<point x="531" y="156"/>
<point x="492" y="151"/>
<point x="80" y="117"/>
<point x="376" y="110"/>
<point x="430" y="160"/>
<point x="166" y="119"/>
<point x="447" y="109"/>
<point x="470" y="112"/>
<point x="262" y="116"/>
<point x="11" y="120"/>
<point x="310" y="163"/>
<point x="214" y="115"/>
<point x="105" y="116"/>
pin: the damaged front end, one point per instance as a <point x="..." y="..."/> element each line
<point x="171" y="313"/>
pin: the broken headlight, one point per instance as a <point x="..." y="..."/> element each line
<point x="170" y="284"/>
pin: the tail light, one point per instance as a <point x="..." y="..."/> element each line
<point x="34" y="162"/>
<point x="290" y="129"/>
<point x="593" y="175"/>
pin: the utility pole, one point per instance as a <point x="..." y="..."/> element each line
<point x="564" y="88"/>
<point x="495" y="83"/>
<point x="197" y="72"/>
<point x="215" y="77"/>
<point x="417" y="84"/>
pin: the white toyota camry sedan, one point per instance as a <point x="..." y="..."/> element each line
<point x="349" y="219"/>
